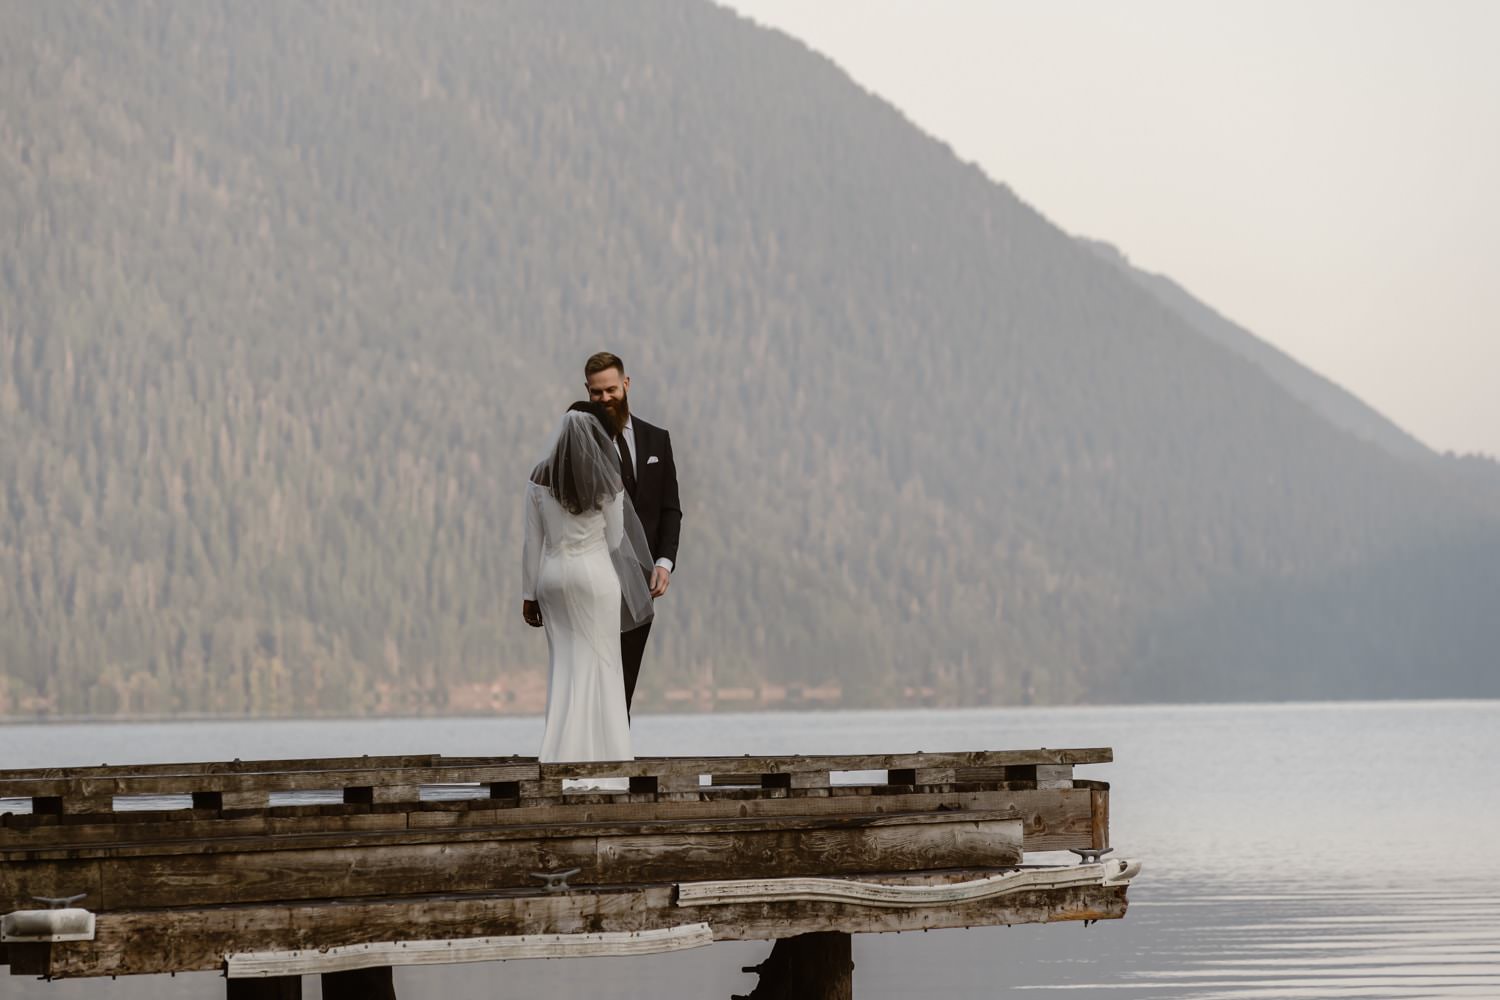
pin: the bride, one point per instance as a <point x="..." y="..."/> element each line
<point x="584" y="572"/>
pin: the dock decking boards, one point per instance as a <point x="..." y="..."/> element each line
<point x="343" y="866"/>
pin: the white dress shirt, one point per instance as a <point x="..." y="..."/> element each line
<point x="635" y="456"/>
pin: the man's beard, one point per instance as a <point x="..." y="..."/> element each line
<point x="619" y="409"/>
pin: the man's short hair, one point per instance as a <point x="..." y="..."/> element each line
<point x="603" y="361"/>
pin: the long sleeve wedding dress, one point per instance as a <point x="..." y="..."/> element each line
<point x="569" y="570"/>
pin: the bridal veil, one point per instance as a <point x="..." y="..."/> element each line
<point x="582" y="472"/>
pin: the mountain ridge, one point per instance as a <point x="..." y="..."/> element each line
<point x="1336" y="404"/>
<point x="296" y="290"/>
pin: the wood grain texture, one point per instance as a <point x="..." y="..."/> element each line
<point x="827" y="762"/>
<point x="870" y="892"/>
<point x="21" y="885"/>
<point x="35" y="833"/>
<point x="239" y="766"/>
<point x="1098" y="814"/>
<point x="1054" y="819"/>
<point x="395" y="869"/>
<point x="168" y="779"/>
<point x="237" y="874"/>
<point x="103" y="786"/>
<point x="350" y="959"/>
<point x="592" y="822"/>
<point x="486" y="860"/>
<point x="190" y="939"/>
<point x="1054" y="775"/>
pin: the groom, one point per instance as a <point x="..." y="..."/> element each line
<point x="650" y="477"/>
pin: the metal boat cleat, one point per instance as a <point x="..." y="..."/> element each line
<point x="59" y="902"/>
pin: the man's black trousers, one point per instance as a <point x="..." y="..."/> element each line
<point x="632" y="648"/>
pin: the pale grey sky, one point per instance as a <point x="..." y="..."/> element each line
<point x="1324" y="172"/>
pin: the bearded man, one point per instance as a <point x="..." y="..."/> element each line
<point x="650" y="476"/>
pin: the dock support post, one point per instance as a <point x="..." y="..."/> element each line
<point x="268" y="988"/>
<point x="360" y="984"/>
<point x="806" y="967"/>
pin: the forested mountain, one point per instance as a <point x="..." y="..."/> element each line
<point x="292" y="293"/>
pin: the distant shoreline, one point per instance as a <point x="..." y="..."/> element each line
<point x="61" y="720"/>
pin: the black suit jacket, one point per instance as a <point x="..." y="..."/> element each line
<point x="656" y="501"/>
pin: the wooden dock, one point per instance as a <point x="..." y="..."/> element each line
<point x="271" y="870"/>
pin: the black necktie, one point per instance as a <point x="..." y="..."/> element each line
<point x="627" y="466"/>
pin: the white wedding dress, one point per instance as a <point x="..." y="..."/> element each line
<point x="568" y="569"/>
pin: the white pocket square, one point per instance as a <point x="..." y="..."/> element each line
<point x="652" y="460"/>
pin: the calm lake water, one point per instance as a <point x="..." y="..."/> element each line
<point x="1291" y="851"/>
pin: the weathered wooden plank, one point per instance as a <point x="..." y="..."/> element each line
<point x="106" y="786"/>
<point x="922" y="776"/>
<point x="809" y="782"/>
<point x="220" y="801"/>
<point x="783" y="817"/>
<point x="22" y="885"/>
<point x="59" y="805"/>
<point x="1054" y="775"/>
<point x="596" y="820"/>
<point x="485" y="860"/>
<point x="185" y="778"/>
<point x="370" y="794"/>
<point x="133" y="943"/>
<point x="679" y="787"/>
<point x="542" y="791"/>
<point x="884" y="844"/>
<point x="902" y="893"/>
<point x="33" y="835"/>
<point x="351" y="960"/>
<point x="246" y="766"/>
<point x="328" y="841"/>
<point x="758" y="922"/>
<point x="665" y="788"/>
<point x="643" y="766"/>
<point x="192" y="939"/>
<point x="1055" y="819"/>
<point x="473" y="866"/>
<point x="1098" y="815"/>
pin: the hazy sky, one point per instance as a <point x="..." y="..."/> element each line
<point x="1325" y="173"/>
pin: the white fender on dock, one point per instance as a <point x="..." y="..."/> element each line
<point x="68" y="924"/>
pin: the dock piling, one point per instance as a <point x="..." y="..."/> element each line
<point x="270" y="988"/>
<point x="814" y="966"/>
<point x="360" y="984"/>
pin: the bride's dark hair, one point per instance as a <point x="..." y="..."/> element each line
<point x="583" y="471"/>
<point x="600" y="412"/>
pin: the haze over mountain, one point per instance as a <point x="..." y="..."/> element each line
<point x="287" y="288"/>
<point x="1335" y="404"/>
